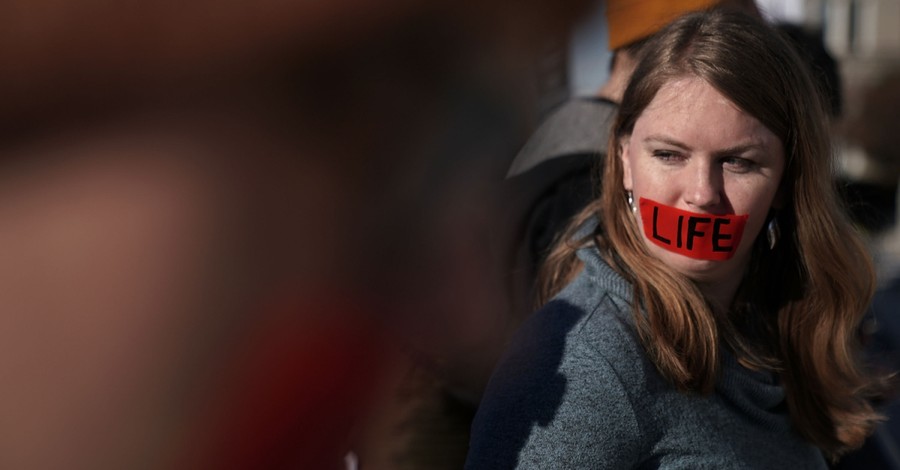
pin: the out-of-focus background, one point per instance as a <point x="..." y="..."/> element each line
<point x="275" y="235"/>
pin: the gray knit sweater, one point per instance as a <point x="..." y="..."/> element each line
<point x="576" y="390"/>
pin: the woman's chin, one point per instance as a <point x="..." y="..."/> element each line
<point x="701" y="270"/>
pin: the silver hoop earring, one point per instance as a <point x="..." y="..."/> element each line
<point x="773" y="233"/>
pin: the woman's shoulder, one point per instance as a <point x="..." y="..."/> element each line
<point x="599" y="293"/>
<point x="562" y="395"/>
<point x="588" y="321"/>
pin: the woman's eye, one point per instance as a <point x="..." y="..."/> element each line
<point x="738" y="164"/>
<point x="667" y="155"/>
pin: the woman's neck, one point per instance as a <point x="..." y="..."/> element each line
<point x="720" y="294"/>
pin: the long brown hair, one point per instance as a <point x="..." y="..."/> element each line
<point x="799" y="304"/>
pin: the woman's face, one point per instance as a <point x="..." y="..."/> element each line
<point x="693" y="149"/>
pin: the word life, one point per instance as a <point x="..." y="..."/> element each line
<point x="699" y="236"/>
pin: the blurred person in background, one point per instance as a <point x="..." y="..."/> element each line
<point x="665" y="343"/>
<point x="224" y="226"/>
<point x="874" y="129"/>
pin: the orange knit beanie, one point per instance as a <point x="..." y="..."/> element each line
<point x="631" y="20"/>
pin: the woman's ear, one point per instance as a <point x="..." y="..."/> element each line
<point x="625" y="156"/>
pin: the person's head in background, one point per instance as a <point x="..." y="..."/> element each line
<point x="823" y="270"/>
<point x="631" y="23"/>
<point x="874" y="195"/>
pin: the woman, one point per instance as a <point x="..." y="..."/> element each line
<point x="705" y="304"/>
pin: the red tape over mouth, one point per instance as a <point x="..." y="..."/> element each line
<point x="699" y="236"/>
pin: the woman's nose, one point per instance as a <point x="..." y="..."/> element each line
<point x="704" y="188"/>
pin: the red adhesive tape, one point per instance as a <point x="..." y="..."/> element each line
<point x="695" y="235"/>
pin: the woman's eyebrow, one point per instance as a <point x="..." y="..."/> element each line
<point x="736" y="149"/>
<point x="656" y="138"/>
<point x="739" y="149"/>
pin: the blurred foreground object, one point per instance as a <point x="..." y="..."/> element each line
<point x="214" y="216"/>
